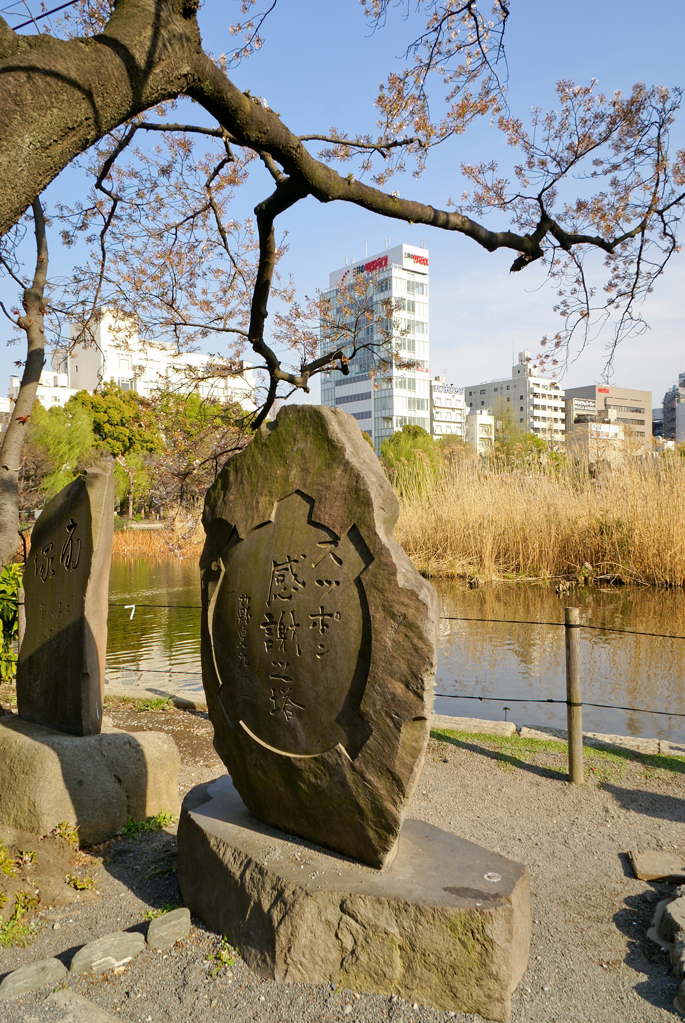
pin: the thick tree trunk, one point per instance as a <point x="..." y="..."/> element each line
<point x="59" y="97"/>
<point x="10" y="453"/>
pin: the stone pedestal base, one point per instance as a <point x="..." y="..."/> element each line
<point x="447" y="925"/>
<point x="93" y="781"/>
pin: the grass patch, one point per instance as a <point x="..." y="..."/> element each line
<point x="224" y="956"/>
<point x="603" y="764"/>
<point x="146" y="704"/>
<point x="154" y="823"/>
<point x="15" y="931"/>
<point x="152" y="914"/>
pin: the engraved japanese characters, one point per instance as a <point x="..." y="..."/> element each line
<point x="60" y="674"/>
<point x="318" y="645"/>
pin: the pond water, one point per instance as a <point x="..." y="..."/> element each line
<point x="507" y="665"/>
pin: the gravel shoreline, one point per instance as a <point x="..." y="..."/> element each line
<point x="590" y="961"/>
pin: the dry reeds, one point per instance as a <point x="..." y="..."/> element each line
<point x="548" y="521"/>
<point x="154" y="545"/>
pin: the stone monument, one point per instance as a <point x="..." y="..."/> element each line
<point x="318" y="660"/>
<point x="318" y="646"/>
<point x="57" y="760"/>
<point x="61" y="668"/>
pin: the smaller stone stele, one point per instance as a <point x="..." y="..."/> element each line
<point x="318" y="635"/>
<point x="61" y="667"/>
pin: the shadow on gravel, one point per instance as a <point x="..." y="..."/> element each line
<point x="508" y="758"/>
<point x="658" y="986"/>
<point x="651" y="804"/>
<point x="146" y="865"/>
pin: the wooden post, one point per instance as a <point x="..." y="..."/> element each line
<point x="574" y="706"/>
<point x="21" y="616"/>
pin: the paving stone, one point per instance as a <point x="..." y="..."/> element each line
<point x="29" y="978"/>
<point x="80" y="1009"/>
<point x="164" y="931"/>
<point x="107" y="953"/>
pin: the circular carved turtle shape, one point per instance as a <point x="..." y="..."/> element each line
<point x="290" y="633"/>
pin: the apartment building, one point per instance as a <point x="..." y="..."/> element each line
<point x="536" y="401"/>
<point x="622" y="405"/>
<point x="448" y="411"/>
<point x="480" y="431"/>
<point x="114" y="354"/>
<point x="380" y="396"/>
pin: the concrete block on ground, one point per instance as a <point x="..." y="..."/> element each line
<point x="447" y="925"/>
<point x="108" y="952"/>
<point x="94" y="782"/>
<point x="475" y="726"/>
<point x="30" y="978"/>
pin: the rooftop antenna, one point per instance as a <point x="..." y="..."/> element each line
<point x="387" y="244"/>
<point x="345" y="260"/>
<point x="366" y="245"/>
<point x="422" y="243"/>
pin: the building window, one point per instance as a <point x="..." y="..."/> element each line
<point x="482" y="390"/>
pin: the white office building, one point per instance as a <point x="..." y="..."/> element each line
<point x="536" y="402"/>
<point x="112" y="353"/>
<point x="382" y="397"/>
<point x="448" y="412"/>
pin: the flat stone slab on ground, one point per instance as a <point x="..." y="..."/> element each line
<point x="80" y="1009"/>
<point x="108" y="952"/>
<point x="165" y="930"/>
<point x="30" y="978"/>
<point x="658" y="866"/>
<point x="447" y="925"/>
<point x="93" y="781"/>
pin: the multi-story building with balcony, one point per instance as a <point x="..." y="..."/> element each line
<point x="448" y="412"/>
<point x="536" y="402"/>
<point x="380" y="395"/>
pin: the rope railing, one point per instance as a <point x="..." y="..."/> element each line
<point x="458" y="618"/>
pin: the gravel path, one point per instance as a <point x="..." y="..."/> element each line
<point x="590" y="958"/>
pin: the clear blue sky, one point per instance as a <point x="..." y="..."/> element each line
<point x="320" y="66"/>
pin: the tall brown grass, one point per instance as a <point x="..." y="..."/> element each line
<point x="544" y="522"/>
<point x="155" y="545"/>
